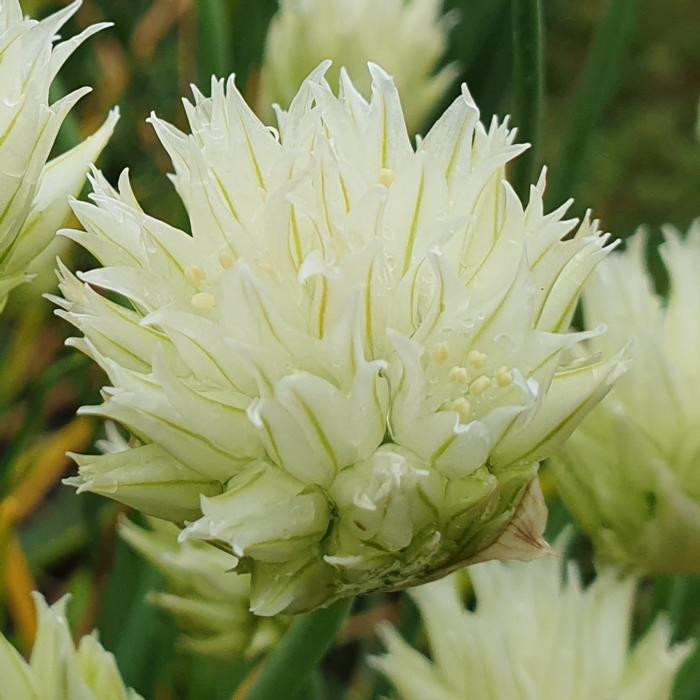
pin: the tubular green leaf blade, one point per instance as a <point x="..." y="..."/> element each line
<point x="597" y="84"/>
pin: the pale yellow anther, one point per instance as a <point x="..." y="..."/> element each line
<point x="504" y="377"/>
<point x="476" y="359"/>
<point x="458" y="375"/>
<point x="226" y="258"/>
<point x="194" y="275"/>
<point x="479" y="385"/>
<point x="439" y="353"/>
<point x="463" y="408"/>
<point x="386" y="176"/>
<point x="203" y="301"/>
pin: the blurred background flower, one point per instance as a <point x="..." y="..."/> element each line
<point x="33" y="193"/>
<point x="631" y="474"/>
<point x="407" y="38"/>
<point x="209" y="602"/>
<point x="621" y="103"/>
<point x="57" y="668"/>
<point x="537" y="633"/>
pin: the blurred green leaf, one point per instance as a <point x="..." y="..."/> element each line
<point x="480" y="45"/>
<point x="138" y="634"/>
<point x="251" y="19"/>
<point x="478" y="21"/>
<point x="80" y="589"/>
<point x="598" y="81"/>
<point x="528" y="89"/>
<point x="215" y="55"/>
<point x="57" y="532"/>
<point x="211" y="678"/>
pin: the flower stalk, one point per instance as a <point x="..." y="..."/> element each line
<point x="290" y="665"/>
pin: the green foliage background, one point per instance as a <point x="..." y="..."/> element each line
<point x="641" y="164"/>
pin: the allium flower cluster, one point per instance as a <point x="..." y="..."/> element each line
<point x="57" y="670"/>
<point x="533" y="636"/>
<point x="406" y="37"/>
<point x="631" y="473"/>
<point x="33" y="193"/>
<point x="209" y="602"/>
<point x="349" y="370"/>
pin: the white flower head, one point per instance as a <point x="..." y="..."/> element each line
<point x="408" y="38"/>
<point x="349" y="370"/>
<point x="33" y="193"/>
<point x="57" y="669"/>
<point x="631" y="473"/>
<point x="209" y="601"/>
<point x="532" y="636"/>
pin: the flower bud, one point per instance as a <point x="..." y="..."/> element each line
<point x="264" y="514"/>
<point x="146" y="478"/>
<point x="209" y="601"/>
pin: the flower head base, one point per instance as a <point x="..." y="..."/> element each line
<point x="631" y="473"/>
<point x="349" y="371"/>
<point x="406" y="37"/>
<point x="57" y="670"/>
<point x="209" y="602"/>
<point x="33" y="193"/>
<point x="532" y="636"/>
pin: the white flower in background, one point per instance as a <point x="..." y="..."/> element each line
<point x="408" y="38"/>
<point x="33" y="193"/>
<point x="532" y="636"/>
<point x="631" y="472"/>
<point x="57" y="669"/>
<point x="350" y="370"/>
<point x="209" y="603"/>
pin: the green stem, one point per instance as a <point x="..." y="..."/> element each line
<point x="314" y="688"/>
<point x="598" y="80"/>
<point x="289" y="666"/>
<point x="528" y="73"/>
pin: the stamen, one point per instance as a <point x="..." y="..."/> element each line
<point x="226" y="258"/>
<point x="194" y="275"/>
<point x="203" y="301"/>
<point x="476" y="359"/>
<point x="439" y="353"/>
<point x="479" y="385"/>
<point x="386" y="176"/>
<point x="458" y="375"/>
<point x="463" y="408"/>
<point x="504" y="377"/>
